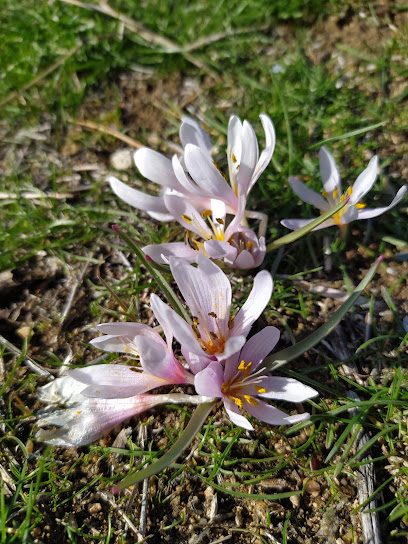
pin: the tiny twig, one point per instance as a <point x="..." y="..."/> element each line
<point x="129" y="523"/>
<point x="32" y="365"/>
<point x="110" y="131"/>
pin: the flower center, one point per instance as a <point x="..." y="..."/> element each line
<point x="334" y="199"/>
<point x="241" y="387"/>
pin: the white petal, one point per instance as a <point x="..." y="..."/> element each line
<point x="232" y="346"/>
<point x="289" y="389"/>
<point x="160" y="253"/>
<point x="295" y="224"/>
<point x="234" y="415"/>
<point x="266" y="153"/>
<point x="273" y="416"/>
<point x="184" y="180"/>
<point x="255" y="304"/>
<point x="129" y="330"/>
<point x="64" y="390"/>
<point x="139" y="200"/>
<point x="192" y="133"/>
<point x="155" y="167"/>
<point x="309" y="196"/>
<point x="220" y="250"/>
<point x="249" y="158"/>
<point x="187" y="215"/>
<point x="365" y="181"/>
<point x="329" y="172"/>
<point x="113" y="344"/>
<point x="205" y="174"/>
<point x="369" y="213"/>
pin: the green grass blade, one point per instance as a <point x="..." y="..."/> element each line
<point x="296" y="234"/>
<point x="194" y="425"/>
<point x="284" y="356"/>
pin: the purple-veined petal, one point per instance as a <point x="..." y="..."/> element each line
<point x="235" y="416"/>
<point x="205" y="174"/>
<point x="368" y="213"/>
<point x="209" y="381"/>
<point x="156" y="167"/>
<point x="138" y="199"/>
<point x="192" y="133"/>
<point x="254" y="305"/>
<point x="329" y="172"/>
<point x="259" y="346"/>
<point x="289" y="389"/>
<point x="206" y="290"/>
<point x="365" y="181"/>
<point x="160" y="253"/>
<point x="308" y="195"/>
<point x="159" y="360"/>
<point x="170" y="320"/>
<point x="269" y="414"/>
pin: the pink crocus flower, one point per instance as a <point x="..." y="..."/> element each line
<point x="194" y="176"/>
<point x="215" y="334"/>
<point x="333" y="194"/>
<point x="235" y="245"/>
<point x="242" y="388"/>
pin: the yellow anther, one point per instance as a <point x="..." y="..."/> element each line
<point x="195" y="320"/>
<point x="325" y="194"/>
<point x="335" y="193"/>
<point x="213" y="335"/>
<point x="79" y="412"/>
<point x="212" y="314"/>
<point x="234" y="159"/>
<point x="360" y="206"/>
<point x="187" y="219"/>
<point x="238" y="402"/>
<point x="260" y="389"/>
<point x="245" y="369"/>
<point x="196" y="332"/>
<point x="349" y="191"/>
<point x="241" y="365"/>
<point x="220" y="221"/>
<point x="250" y="245"/>
<point x="251" y="400"/>
<point x="206" y="214"/>
<point x="343" y="196"/>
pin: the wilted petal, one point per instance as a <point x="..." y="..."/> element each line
<point x="160" y="253"/>
<point x="365" y="181"/>
<point x="368" y="213"/>
<point x="309" y="196"/>
<point x="64" y="390"/>
<point x="329" y="172"/>
<point x="289" y="389"/>
<point x="254" y="305"/>
<point x="269" y="414"/>
<point x="92" y="419"/>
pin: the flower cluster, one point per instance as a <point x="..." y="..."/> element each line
<point x="215" y="355"/>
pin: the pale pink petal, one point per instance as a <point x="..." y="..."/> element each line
<point x="192" y="133"/>
<point x="155" y="167"/>
<point x="158" y="360"/>
<point x="289" y="389"/>
<point x="259" y="346"/>
<point x="129" y="330"/>
<point x="113" y="344"/>
<point x="235" y="416"/>
<point x="329" y="172"/>
<point x="160" y="253"/>
<point x="235" y="223"/>
<point x="185" y="180"/>
<point x="232" y="345"/>
<point x="244" y="261"/>
<point x="368" y="213"/>
<point x="205" y="174"/>
<point x="269" y="414"/>
<point x="255" y="304"/>
<point x="195" y="362"/>
<point x="220" y="250"/>
<point x="365" y="181"/>
<point x="309" y="196"/>
<point x="209" y="381"/>
<point x="170" y="320"/>
<point x="139" y="200"/>
<point x="351" y="214"/>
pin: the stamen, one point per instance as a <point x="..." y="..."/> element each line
<point x="237" y="401"/>
<point x="250" y="245"/>
<point x="251" y="400"/>
<point x="335" y="193"/>
<point x="360" y="206"/>
<point x="325" y="194"/>
<point x="220" y="221"/>
<point x="349" y="191"/>
<point x="196" y="332"/>
<point x="213" y="335"/>
<point x="212" y="314"/>
<point x="233" y="157"/>
<point x="206" y="214"/>
<point x="195" y="320"/>
<point x="231" y="321"/>
<point x="260" y="389"/>
<point x="187" y="219"/>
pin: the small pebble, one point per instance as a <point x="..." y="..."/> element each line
<point x="122" y="159"/>
<point x="94" y="508"/>
<point x="312" y="487"/>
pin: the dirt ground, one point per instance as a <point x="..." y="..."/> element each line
<point x="34" y="296"/>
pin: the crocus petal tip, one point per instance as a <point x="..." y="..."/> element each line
<point x="115" y="228"/>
